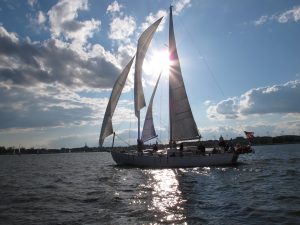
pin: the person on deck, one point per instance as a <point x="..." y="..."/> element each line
<point x="181" y="149"/>
<point x="155" y="147"/>
<point x="174" y="144"/>
<point x="201" y="148"/>
<point x="140" y="146"/>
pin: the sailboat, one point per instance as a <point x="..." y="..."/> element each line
<point x="182" y="125"/>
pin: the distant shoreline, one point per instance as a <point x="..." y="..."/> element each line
<point x="257" y="141"/>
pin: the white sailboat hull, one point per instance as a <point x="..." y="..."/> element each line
<point x="164" y="161"/>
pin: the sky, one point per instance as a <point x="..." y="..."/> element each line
<point x="59" y="60"/>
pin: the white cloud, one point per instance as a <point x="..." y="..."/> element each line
<point x="63" y="23"/>
<point x="180" y="5"/>
<point x="42" y="106"/>
<point x="99" y="51"/>
<point x="282" y="98"/>
<point x="226" y="109"/>
<point x="125" y="52"/>
<point x="289" y="15"/>
<point x="37" y="21"/>
<point x="276" y="99"/>
<point x="114" y="7"/>
<point x="13" y="37"/>
<point x="41" y="18"/>
<point x="32" y="2"/>
<point x="27" y="63"/>
<point x="40" y="81"/>
<point x="292" y="14"/>
<point x="261" y="20"/>
<point x="122" y="28"/>
<point x="64" y="11"/>
<point x="207" y="103"/>
<point x="151" y="18"/>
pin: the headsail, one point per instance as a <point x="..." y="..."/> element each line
<point x="143" y="44"/>
<point x="149" y="130"/>
<point x="182" y="123"/>
<point x="107" y="128"/>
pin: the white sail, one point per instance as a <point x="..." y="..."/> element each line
<point x="182" y="123"/>
<point x="143" y="44"/>
<point x="107" y="128"/>
<point x="148" y="129"/>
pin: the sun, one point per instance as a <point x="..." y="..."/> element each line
<point x="159" y="61"/>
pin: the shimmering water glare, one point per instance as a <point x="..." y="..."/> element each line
<point x="87" y="188"/>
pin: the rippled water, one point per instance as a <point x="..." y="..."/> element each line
<point x="87" y="188"/>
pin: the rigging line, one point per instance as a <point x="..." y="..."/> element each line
<point x="204" y="59"/>
<point x="122" y="140"/>
<point x="162" y="121"/>
<point x="159" y="140"/>
<point x="206" y="64"/>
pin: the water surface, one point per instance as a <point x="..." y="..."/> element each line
<point x="87" y="188"/>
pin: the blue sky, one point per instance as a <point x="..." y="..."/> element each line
<point x="59" y="59"/>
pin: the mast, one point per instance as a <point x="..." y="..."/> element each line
<point x="139" y="125"/>
<point x="170" y="52"/>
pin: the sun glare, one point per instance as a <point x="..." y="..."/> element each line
<point x="160" y="61"/>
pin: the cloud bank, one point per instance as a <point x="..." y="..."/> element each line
<point x="41" y="81"/>
<point x="28" y="63"/>
<point x="276" y="99"/>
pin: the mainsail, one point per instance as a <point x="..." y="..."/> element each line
<point x="107" y="128"/>
<point x="182" y="123"/>
<point x="143" y="44"/>
<point x="148" y="129"/>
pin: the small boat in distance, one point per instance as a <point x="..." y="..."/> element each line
<point x="183" y="127"/>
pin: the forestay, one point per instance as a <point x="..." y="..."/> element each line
<point x="182" y="123"/>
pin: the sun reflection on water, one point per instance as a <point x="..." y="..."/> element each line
<point x="167" y="200"/>
<point x="161" y="195"/>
